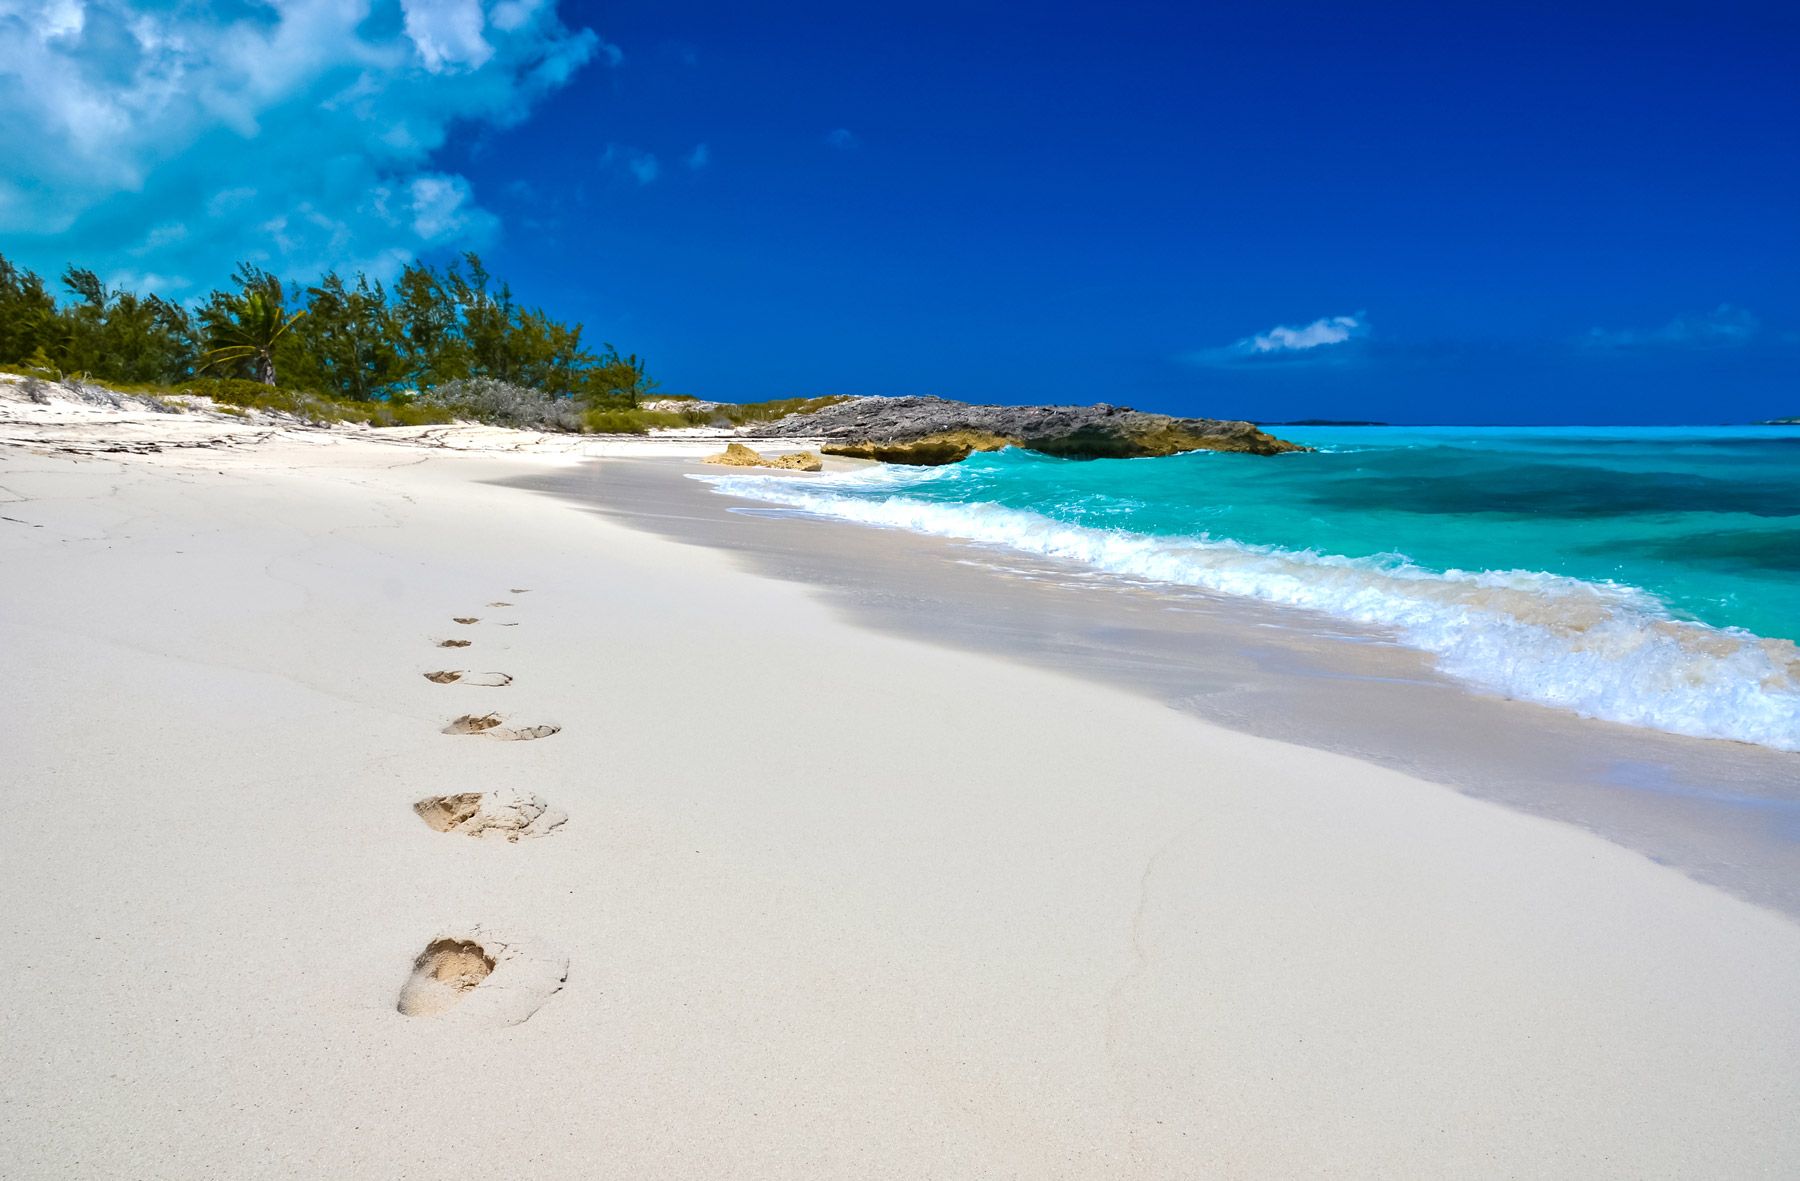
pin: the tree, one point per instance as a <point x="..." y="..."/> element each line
<point x="27" y="315"/>
<point x="615" y="380"/>
<point x="354" y="340"/>
<point x="428" y="328"/>
<point x="349" y="344"/>
<point x="244" y="330"/>
<point x="488" y="320"/>
<point x="119" y="334"/>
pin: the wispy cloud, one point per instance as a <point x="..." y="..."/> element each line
<point x="1327" y="330"/>
<point x="699" y="158"/>
<point x="842" y="138"/>
<point x="636" y="163"/>
<point x="1315" y="341"/>
<point x="1723" y="327"/>
<point x="300" y="135"/>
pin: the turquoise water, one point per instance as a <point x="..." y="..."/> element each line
<point x="1707" y="520"/>
<point x="1647" y="575"/>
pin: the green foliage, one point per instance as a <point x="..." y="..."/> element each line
<point x="115" y="333"/>
<point x="637" y="420"/>
<point x="349" y="343"/>
<point x="244" y="329"/>
<point x="27" y="312"/>
<point x="777" y="408"/>
<point x="632" y="421"/>
<point x="456" y="324"/>
<point x="346" y="340"/>
<point x="245" y="394"/>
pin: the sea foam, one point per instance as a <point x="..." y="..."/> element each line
<point x="1602" y="650"/>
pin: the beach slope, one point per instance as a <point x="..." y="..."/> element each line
<point x="826" y="902"/>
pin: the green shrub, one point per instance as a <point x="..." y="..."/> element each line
<point x="634" y="422"/>
<point x="242" y="394"/>
<point x="778" y="408"/>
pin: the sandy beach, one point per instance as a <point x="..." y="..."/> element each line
<point x="829" y="901"/>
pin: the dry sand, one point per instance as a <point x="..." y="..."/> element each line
<point x="829" y="903"/>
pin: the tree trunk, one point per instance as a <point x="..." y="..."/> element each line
<point x="265" y="369"/>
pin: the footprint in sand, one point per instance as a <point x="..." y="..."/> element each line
<point x="465" y="619"/>
<point x="499" y="604"/>
<point x="475" y="976"/>
<point x="454" y="643"/>
<point x="503" y="812"/>
<point x="519" y="590"/>
<point x="444" y="971"/>
<point x="464" y="677"/>
<point x="488" y="725"/>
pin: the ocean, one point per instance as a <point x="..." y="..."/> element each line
<point x="1649" y="576"/>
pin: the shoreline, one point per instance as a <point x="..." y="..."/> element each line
<point x="1725" y="813"/>
<point x="833" y="901"/>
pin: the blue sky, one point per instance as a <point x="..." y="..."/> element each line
<point x="1422" y="213"/>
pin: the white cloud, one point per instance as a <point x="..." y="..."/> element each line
<point x="298" y="134"/>
<point x="842" y="138"/>
<point x="1723" y="327"/>
<point x="447" y="33"/>
<point x="1316" y="340"/>
<point x="1327" y="330"/>
<point x="443" y="209"/>
<point x="699" y="158"/>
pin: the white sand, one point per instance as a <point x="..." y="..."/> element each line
<point x="834" y="904"/>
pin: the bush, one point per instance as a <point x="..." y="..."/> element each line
<point x="237" y="392"/>
<point x="778" y="408"/>
<point x="635" y="422"/>
<point x="487" y="399"/>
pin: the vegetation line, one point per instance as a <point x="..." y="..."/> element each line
<point x="439" y="345"/>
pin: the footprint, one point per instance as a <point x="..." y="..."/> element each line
<point x="463" y="677"/>
<point x="444" y="971"/>
<point x="499" y="604"/>
<point x="475" y="976"/>
<point x="489" y="724"/>
<point x="513" y="624"/>
<point x="504" y="812"/>
<point x="519" y="590"/>
<point x="473" y="724"/>
<point x="466" y="619"/>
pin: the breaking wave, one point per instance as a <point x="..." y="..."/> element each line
<point x="1603" y="650"/>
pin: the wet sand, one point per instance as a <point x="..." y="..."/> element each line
<point x="1724" y="813"/>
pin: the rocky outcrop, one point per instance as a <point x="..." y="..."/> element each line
<point x="738" y="455"/>
<point x="936" y="431"/>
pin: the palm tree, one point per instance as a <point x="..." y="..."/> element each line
<point x="246" y="328"/>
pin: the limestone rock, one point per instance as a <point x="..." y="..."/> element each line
<point x="935" y="431"/>
<point x="738" y="455"/>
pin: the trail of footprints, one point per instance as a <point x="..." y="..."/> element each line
<point x="476" y="973"/>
